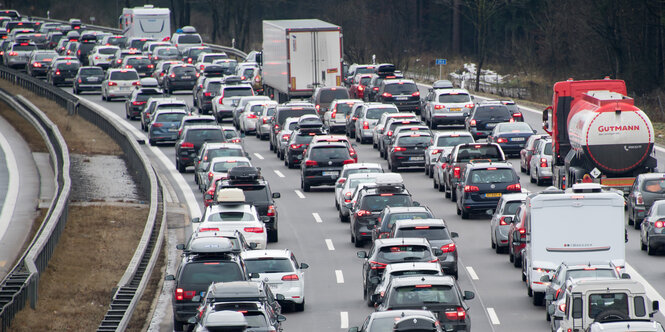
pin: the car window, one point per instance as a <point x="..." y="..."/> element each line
<point x="106" y="50"/>
<point x="375" y="113"/>
<point x="92" y="72"/>
<point x="256" y="194"/>
<point x="269" y="265"/>
<point x="399" y="253"/>
<point x="167" y="52"/>
<point x="124" y="76"/>
<point x="138" y="61"/>
<point x="303" y="139"/>
<point x="184" y="70"/>
<point x="407" y="216"/>
<point x="548" y="149"/>
<point x="24" y="48"/>
<point x="378" y="202"/>
<point x="189" y="39"/>
<point x="612" y="301"/>
<point x="454" y="98"/>
<point x="511" y="207"/>
<point x="423" y="294"/>
<point x="414" y="140"/>
<point x="230" y="216"/>
<point x="487" y="176"/>
<point x="255" y="320"/>
<point x="212" y="153"/>
<point x="225" y="166"/>
<point x="453" y="140"/>
<point x="515" y="127"/>
<point x="328" y="95"/>
<point x="467" y="153"/>
<point x="329" y="153"/>
<point x="211" y="57"/>
<point x="591" y="273"/>
<point x="500" y="113"/>
<point x="230" y="133"/>
<point x="45" y="56"/>
<point x="68" y="65"/>
<point x="654" y="186"/>
<point x="209" y="272"/>
<point x="362" y="171"/>
<point x="213" y="86"/>
<point x="236" y="92"/>
<point x="169" y="117"/>
<point x="199" y="135"/>
<point x="428" y="232"/>
<point x="353" y="183"/>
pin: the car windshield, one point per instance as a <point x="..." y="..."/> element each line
<point x="496" y="175"/>
<point x="193" y="53"/>
<point x="591" y="273"/>
<point x="171" y="51"/>
<point x="328" y="95"/>
<point x="269" y="265"/>
<point x="138" y="61"/>
<point x="453" y="140"/>
<point x="212" y="153"/>
<point x="124" y="75"/>
<point x="414" y="140"/>
<point x="225" y="166"/>
<point x="454" y="98"/>
<point x="248" y="72"/>
<point x="401" y="88"/>
<point x="324" y="153"/>
<point x="375" y="113"/>
<point x="511" y="207"/>
<point x="107" y="50"/>
<point x="379" y="202"/>
<point x="236" y="92"/>
<point x="365" y="80"/>
<point x="403" y="253"/>
<point x="45" y="56"/>
<point x="169" y="117"/>
<point x="200" y="135"/>
<point x="491" y="152"/>
<point x="189" y="39"/>
<point x="654" y="186"/>
<point x="184" y="70"/>
<point x="499" y="113"/>
<point x="514" y="127"/>
<point x="428" y="232"/>
<point x="230" y="216"/>
<point x="92" y="72"/>
<point x="230" y="133"/>
<point x="602" y="302"/>
<point x="423" y="294"/>
<point x="209" y="272"/>
<point x="548" y="149"/>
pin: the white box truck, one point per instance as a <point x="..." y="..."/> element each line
<point x="298" y="56"/>
<point x="578" y="225"/>
<point x="146" y="21"/>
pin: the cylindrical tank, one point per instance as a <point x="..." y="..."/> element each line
<point x="616" y="136"/>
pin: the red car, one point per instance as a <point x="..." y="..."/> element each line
<point x="517" y="238"/>
<point x="527" y="152"/>
<point x="358" y="85"/>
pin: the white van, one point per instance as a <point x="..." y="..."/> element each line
<point x="146" y="22"/>
<point x="582" y="224"/>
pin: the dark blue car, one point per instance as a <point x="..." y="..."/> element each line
<point x="511" y="136"/>
<point x="482" y="186"/>
<point x="164" y="127"/>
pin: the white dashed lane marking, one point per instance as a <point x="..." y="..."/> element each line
<point x="344" y="320"/>
<point x="317" y="217"/>
<point x="299" y="193"/>
<point x="493" y="317"/>
<point x="279" y="174"/>
<point x="329" y="244"/>
<point x="259" y="156"/>
<point x="339" y="276"/>
<point x="472" y="273"/>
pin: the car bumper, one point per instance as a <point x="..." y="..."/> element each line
<point x="407" y="106"/>
<point x="38" y="71"/>
<point x="511" y="148"/>
<point x="471" y="205"/>
<point x="224" y="113"/>
<point x="657" y="240"/>
<point x="321" y="180"/>
<point x="365" y="133"/>
<point x="337" y="127"/>
<point x="501" y="235"/>
<point x="405" y="160"/>
<point x="292" y="293"/>
<point x="119" y="92"/>
<point x="362" y="230"/>
<point x="544" y="173"/>
<point x="443" y="119"/>
<point x="181" y="85"/>
<point x="448" y="263"/>
<point x="184" y="311"/>
<point x="260" y="239"/>
<point x="88" y="87"/>
<point x="186" y="158"/>
<point x="135" y="111"/>
<point x="479" y="133"/>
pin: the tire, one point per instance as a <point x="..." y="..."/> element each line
<point x="453" y="195"/>
<point x="381" y="154"/>
<point x="465" y="214"/>
<point x="271" y="147"/>
<point x="343" y="218"/>
<point x="538" y="298"/>
<point x="273" y="236"/>
<point x="427" y="170"/>
<point x="299" y="306"/>
<point x="517" y="262"/>
<point x="152" y="142"/>
<point x="459" y="211"/>
<point x="529" y="292"/>
<point x="650" y="250"/>
<point x="511" y="257"/>
<point x="442" y="188"/>
<point x="434" y="184"/>
<point x="392" y="167"/>
<point x="642" y="245"/>
<point x="637" y="224"/>
<point x="539" y="182"/>
<point x="630" y="219"/>
<point x="431" y="172"/>
<point x="522" y="169"/>
<point x="492" y="244"/>
<point x="610" y="315"/>
<point x="531" y="178"/>
<point x="358" y="243"/>
<point x="180" y="167"/>
<point x="178" y="325"/>
<point x="305" y="186"/>
<point x="445" y="189"/>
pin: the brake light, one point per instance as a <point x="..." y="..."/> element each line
<point x="113" y="83"/>
<point x="469" y="105"/>
<point x="136" y="83"/>
<point x="265" y="120"/>
<point x="296" y="146"/>
<point x="309" y="163"/>
<point x="450" y="247"/>
<point x="136" y="103"/>
<point x="517" y="115"/>
<point x="375" y="88"/>
<point x="209" y="229"/>
<point x="172" y="76"/>
<point x="472" y="123"/>
<point x="399" y="148"/>
<point x="361" y="88"/>
<point x="416" y="94"/>
<point x="78" y="52"/>
<point x="512" y="120"/>
<point x="522" y="230"/>
<point x="638" y="198"/>
<point x="333" y="114"/>
<point x="317" y="107"/>
<point x="157" y="125"/>
<point x="151" y="66"/>
<point x="129" y="66"/>
<point x="501" y="140"/>
<point x="271" y="211"/>
<point x="290" y="277"/>
<point x="354" y="118"/>
<point x="363" y="213"/>
<point x="13" y="53"/>
<point x="514" y="187"/>
<point x="658" y="224"/>
<point x="459" y="314"/>
<point x="456" y="172"/>
<point x="439" y="107"/>
<point x="376" y="265"/>
<point x="286" y="137"/>
<point x="235" y="140"/>
<point x="186" y="145"/>
<point x="349" y="161"/>
<point x="502" y="221"/>
<point x="562" y="306"/>
<point x="181" y="294"/>
<point x="79" y="80"/>
<point x="251" y="116"/>
<point x="470" y="189"/>
<point x="543" y="162"/>
<point x="207" y="94"/>
<point x="436" y="151"/>
<point x="254" y="229"/>
<point x="365" y="125"/>
<point x="386" y="95"/>
<point x="37" y="64"/>
<point x="210" y="175"/>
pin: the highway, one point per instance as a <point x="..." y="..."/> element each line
<point x="308" y="225"/>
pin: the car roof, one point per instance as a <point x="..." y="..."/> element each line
<point x="420" y="222"/>
<point x="397" y="313"/>
<point x="327" y="144"/>
<point x="202" y="126"/>
<point x="438" y="134"/>
<point x="362" y="165"/>
<point x="515" y="197"/>
<point x="158" y="112"/>
<point x="483" y="164"/>
<point x="378" y="105"/>
<point x="401" y="240"/>
<point x="397" y="81"/>
<point x="281" y="253"/>
<point x="650" y="176"/>
<point x="408" y="266"/>
<point x="339" y="101"/>
<point x="237" y="289"/>
<point x="219" y="145"/>
<point x="409" y="133"/>
<point x="242" y="207"/>
<point x="168" y="100"/>
<point x="451" y="91"/>
<point x="406" y="209"/>
<point x="419" y="280"/>
<point x="198" y="116"/>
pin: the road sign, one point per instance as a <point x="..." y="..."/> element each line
<point x="441" y="61"/>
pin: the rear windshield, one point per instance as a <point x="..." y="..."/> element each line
<point x="548" y="149"/>
<point x="353" y="183"/>
<point x="500" y="113"/>
<point x="377" y="202"/>
<point x="255" y="320"/>
<point x="429" y="232"/>
<point x="137" y="43"/>
<point x="401" y="253"/>
<point x="329" y="153"/>
<point x="184" y="70"/>
<point x="255" y="194"/>
<point x="124" y="76"/>
<point x="24" y="47"/>
<point x="515" y="127"/>
<point x="224" y="153"/>
<point x="238" y="92"/>
<point x="453" y="140"/>
<point x="486" y="176"/>
<point x="269" y="265"/>
<point x="189" y="39"/>
<point x="214" y="86"/>
<point x="303" y="139"/>
<point x="478" y="152"/>
<point x="423" y="294"/>
<point x="613" y="301"/>
<point x="116" y="41"/>
<point x="328" y="95"/>
<point x="454" y="98"/>
<point x="511" y="207"/>
<point x="107" y="50"/>
<point x="169" y="117"/>
<point x="138" y="61"/>
<point x="92" y="72"/>
<point x="225" y="166"/>
<point x="200" y="135"/>
<point x="344" y="108"/>
<point x="375" y="113"/>
<point x="256" y="109"/>
<point x="271" y="111"/>
<point x="654" y="186"/>
<point x="68" y="65"/>
<point x="171" y="51"/>
<point x="362" y="170"/>
<point x="196" y="51"/>
<point x="211" y="58"/>
<point x="248" y="72"/>
<point x="414" y="140"/>
<point x="230" y="216"/>
<point x="230" y="133"/>
<point x="365" y="80"/>
<point x="401" y="88"/>
<point x="45" y="56"/>
<point x="283" y="114"/>
<point x="209" y="272"/>
<point x="196" y="121"/>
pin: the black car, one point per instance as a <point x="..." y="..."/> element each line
<point x="190" y="141"/>
<point x="88" y="78"/>
<point x="483" y="184"/>
<point x="322" y="163"/>
<point x="204" y="96"/>
<point x="140" y="63"/>
<point x="389" y="251"/>
<point x="401" y="92"/>
<point x="391" y="214"/>
<point x="652" y="230"/>
<point x="647" y="189"/>
<point x="375" y="83"/>
<point x="63" y="72"/>
<point x="484" y="118"/>
<point x="297" y="144"/>
<point x="136" y="102"/>
<point x="408" y="150"/>
<point x="388" y="132"/>
<point x="511" y="136"/>
<point x="84" y="48"/>
<point x="191" y="54"/>
<point x="439" y="294"/>
<point x="289" y="110"/>
<point x="180" y="77"/>
<point x="207" y="261"/>
<point x="258" y="193"/>
<point x="40" y="62"/>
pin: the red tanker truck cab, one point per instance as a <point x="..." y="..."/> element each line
<point x="598" y="132"/>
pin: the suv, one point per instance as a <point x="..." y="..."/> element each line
<point x="140" y="63"/>
<point x="62" y="72"/>
<point x="484" y="118"/>
<point x="18" y="54"/>
<point x="180" y="77"/>
<point x="164" y="125"/>
<point x="384" y="137"/>
<point x="154" y="103"/>
<point x="540" y="165"/>
<point x="88" y="79"/>
<point x="186" y="37"/>
<point x="297" y="144"/>
<point x="230" y="91"/>
<point x="408" y="150"/>
<point x="322" y="163"/>
<point x="437" y="233"/>
<point x="401" y="92"/>
<point x="442" y="144"/>
<point x="368" y="116"/>
<point x="647" y="188"/>
<point x="39" y="62"/>
<point x="204" y="95"/>
<point x="446" y="106"/>
<point x="284" y="111"/>
<point x="483" y="184"/>
<point x="119" y="83"/>
<point x="323" y="96"/>
<point x="208" y="260"/>
<point x="390" y="215"/>
<point x="190" y="141"/>
<point x="335" y="118"/>
<point x="456" y="162"/>
<point x="191" y="54"/>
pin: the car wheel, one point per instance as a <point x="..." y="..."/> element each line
<point x="374" y="145"/>
<point x="522" y="169"/>
<point x="353" y="239"/>
<point x="305" y="186"/>
<point x="74" y="91"/>
<point x="517" y="262"/>
<point x="392" y="167"/>
<point x="511" y="257"/>
<point x="630" y="219"/>
<point x="531" y="178"/>
<point x="434" y="184"/>
<point x="287" y="163"/>
<point x="152" y="142"/>
<point x="431" y="171"/>
<point x="492" y="244"/>
<point x="637" y="223"/>
<point x="459" y="211"/>
<point x="529" y="292"/>
<point x="538" y="298"/>
<point x="299" y="306"/>
<point x="103" y="97"/>
<point x="358" y="243"/>
<point x="650" y="250"/>
<point x="178" y="325"/>
<point x="453" y="195"/>
<point x="442" y="188"/>
<point x="181" y="168"/>
<point x="539" y="182"/>
<point x="465" y="214"/>
<point x="642" y="245"/>
<point x="381" y="152"/>
<point x="273" y="236"/>
<point x="427" y="170"/>
<point x="343" y="218"/>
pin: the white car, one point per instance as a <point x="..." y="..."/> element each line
<point x="119" y="83"/>
<point x="231" y="213"/>
<point x="220" y="166"/>
<point x="377" y="132"/>
<point x="403" y="269"/>
<point x="264" y="120"/>
<point x="102" y="56"/>
<point x="354" y="168"/>
<point x="281" y="271"/>
<point x="249" y="117"/>
<point x="335" y="118"/>
<point x="444" y="142"/>
<point x="345" y="194"/>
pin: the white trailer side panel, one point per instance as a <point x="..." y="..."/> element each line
<point x="146" y="22"/>
<point x="302" y="46"/>
<point x="329" y="53"/>
<point x="275" y="58"/>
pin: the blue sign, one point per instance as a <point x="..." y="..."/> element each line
<point x="441" y="61"/>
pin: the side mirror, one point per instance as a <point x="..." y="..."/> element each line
<point x="549" y="297"/>
<point x="375" y="297"/>
<point x="508" y="219"/>
<point x="196" y="220"/>
<point x="281" y="318"/>
<point x="265" y="219"/>
<point x="655" y="306"/>
<point x="469" y="295"/>
<point x="279" y="297"/>
<point x="437" y="252"/>
<point x="535" y="131"/>
<point x="304" y="266"/>
<point x="416" y="203"/>
<point x="196" y="298"/>
<point x="192" y="320"/>
<point x="379" y="300"/>
<point x="545" y="278"/>
<point x="489" y="212"/>
<point x="361" y="254"/>
<point x="169" y="277"/>
<point x="254" y="275"/>
<point x="454" y="235"/>
<point x="253" y="245"/>
<point x="180" y="246"/>
<point x="276" y="195"/>
<point x="625" y="276"/>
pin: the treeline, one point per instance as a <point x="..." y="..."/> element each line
<point x="553" y="39"/>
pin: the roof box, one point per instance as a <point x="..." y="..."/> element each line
<point x="385" y="69"/>
<point x="188" y="29"/>
<point x="210" y="245"/>
<point x="442" y="84"/>
<point x="244" y="174"/>
<point x="415" y="323"/>
<point x="226" y="318"/>
<point x="231" y="196"/>
<point x="232" y="80"/>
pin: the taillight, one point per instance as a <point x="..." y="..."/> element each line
<point x="658" y="224"/>
<point x="251" y="116"/>
<point x="129" y="66"/>
<point x="472" y="122"/>
<point x="354" y="118"/>
<point x="80" y="81"/>
<point x="361" y="88"/>
<point x="543" y="162"/>
<point x="469" y="105"/>
<point x="399" y="148"/>
<point x="57" y="72"/>
<point x="439" y="107"/>
<point x="186" y="145"/>
<point x="389" y="133"/>
<point x="386" y="95"/>
<point x="375" y="88"/>
<point x="556" y="296"/>
<point x="189" y="60"/>
<point x="286" y="137"/>
<point x="295" y="146"/>
<point x="172" y="76"/>
<point x="333" y="114"/>
<point x="501" y="140"/>
<point x="416" y="94"/>
<point x="517" y="115"/>
<point x="317" y="107"/>
<point x="37" y="64"/>
<point x="514" y="187"/>
<point x="522" y="231"/>
<point x="181" y="294"/>
<point x="502" y="221"/>
<point x="207" y="94"/>
<point x="113" y="83"/>
<point x="365" y="125"/>
<point x="456" y="172"/>
<point x="151" y="66"/>
<point x="158" y="125"/>
<point x="208" y="229"/>
<point x="470" y="189"/>
<point x="136" y="103"/>
<point x="459" y="314"/>
<point x="347" y="197"/>
<point x="311" y="163"/>
<point x="243" y="78"/>
<point x="450" y="247"/>
<point x="638" y="198"/>
<point x="271" y="211"/>
<point x="376" y="265"/>
<point x="210" y="175"/>
<point x="562" y="306"/>
<point x="290" y="277"/>
<point x="254" y="229"/>
<point x="363" y="213"/>
<point x="349" y="161"/>
<point x="436" y="151"/>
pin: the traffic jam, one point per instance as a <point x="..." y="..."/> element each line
<point x="356" y="134"/>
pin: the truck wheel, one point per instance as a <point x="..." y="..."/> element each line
<point x="273" y="236"/>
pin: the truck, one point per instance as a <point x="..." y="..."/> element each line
<point x="582" y="223"/>
<point x="146" y="22"/>
<point x="299" y="56"/>
<point x="598" y="134"/>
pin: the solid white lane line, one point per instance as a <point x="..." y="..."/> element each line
<point x="317" y="217"/>
<point x="472" y="273"/>
<point x="259" y="156"/>
<point x="299" y="193"/>
<point x="279" y="173"/>
<point x="13" y="184"/>
<point x="344" y="320"/>
<point x="339" y="276"/>
<point x="329" y="244"/>
<point x="493" y="317"/>
<point x="652" y="293"/>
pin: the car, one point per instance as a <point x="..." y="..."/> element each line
<point x="120" y="55"/>
<point x="510" y="104"/>
<point x="84" y="48"/>
<point x="446" y="106"/>
<point x="180" y="77"/>
<point x="161" y="68"/>
<point x="456" y="161"/>
<point x="335" y="118"/>
<point x="284" y="111"/>
<point x="208" y="71"/>
<point x="437" y="233"/>
<point x="375" y="83"/>
<point x="219" y="167"/>
<point x="53" y="37"/>
<point x="250" y="73"/>
<point x="484" y="118"/>
<point x="17" y="54"/>
<point x="482" y="186"/>
<point x="119" y="83"/>
<point x="359" y="85"/>
<point x="154" y="103"/>
<point x="210" y="150"/>
<point x="355" y="69"/>
<point x="186" y="37"/>
<point x="323" y="97"/>
<point x="114" y="40"/>
<point x="191" y="54"/>
<point x="284" y="136"/>
<point x="208" y="58"/>
<point x="540" y="165"/>
<point x="377" y="132"/>
<point x="232" y="213"/>
<point x="237" y="241"/>
<point x="208" y="260"/>
<point x="226" y="101"/>
<point x="88" y="78"/>
<point x="400" y="127"/>
<point x="380" y="321"/>
<point x="195" y="119"/>
<point x="408" y="150"/>
<point x="297" y="144"/>
<point x="136" y="43"/>
<point x="403" y="93"/>
<point x="190" y="141"/>
<point x="238" y="316"/>
<point x="164" y="125"/>
<point x="39" y="62"/>
<point x="322" y="163"/>
<point x="140" y="63"/>
<point x="442" y="144"/>
<point x="502" y="218"/>
<point x="337" y="138"/>
<point x="265" y="119"/>
<point x="40" y="39"/>
<point x="347" y="189"/>
<point x="439" y="294"/>
<point x="70" y="48"/>
<point x="239" y="106"/>
<point x="102" y="56"/>
<point x="403" y="269"/>
<point x="229" y="65"/>
<point x="368" y="116"/>
<point x="391" y="251"/>
<point x="511" y="136"/>
<point x="386" y="134"/>
<point x="625" y="325"/>
<point x="350" y="169"/>
<point x="652" y="235"/>
<point x="148" y="48"/>
<point x="351" y="118"/>
<point x="161" y="53"/>
<point x="517" y="238"/>
<point x="62" y="72"/>
<point x="527" y="152"/>
<point x="204" y="95"/>
<point x="281" y="271"/>
<point x="232" y="135"/>
<point x="137" y="100"/>
<point x="646" y="189"/>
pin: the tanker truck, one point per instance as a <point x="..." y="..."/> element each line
<point x="598" y="134"/>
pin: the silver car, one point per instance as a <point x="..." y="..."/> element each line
<point x="444" y="142"/>
<point x="369" y="117"/>
<point x="502" y="218"/>
<point x="540" y="166"/>
<point x="18" y="54"/>
<point x="446" y="106"/>
<point x="335" y="118"/>
<point x="265" y="118"/>
<point x="119" y="83"/>
<point x="377" y="132"/>
<point x="350" y="169"/>
<point x="284" y="135"/>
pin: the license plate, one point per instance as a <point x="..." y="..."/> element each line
<point x="173" y="129"/>
<point x="93" y="79"/>
<point x="493" y="195"/>
<point x="416" y="158"/>
<point x="490" y="125"/>
<point x="186" y="77"/>
<point x="517" y="139"/>
<point x="455" y="109"/>
<point x="330" y="173"/>
<point x="401" y="98"/>
<point x="272" y="286"/>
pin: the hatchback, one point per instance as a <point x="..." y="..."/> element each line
<point x="164" y="126"/>
<point x="322" y="163"/>
<point x="446" y="106"/>
<point x="180" y="77"/>
<point x="140" y="63"/>
<point x="438" y="235"/>
<point x="652" y="232"/>
<point x="484" y="118"/>
<point x="324" y="96"/>
<point x="63" y="72"/>
<point x="402" y="93"/>
<point x="281" y="271"/>
<point x="347" y="188"/>
<point x="88" y="79"/>
<point x="40" y="62"/>
<point x="191" y="140"/>
<point x="137" y="101"/>
<point x="391" y="214"/>
<point x="482" y="186"/>
<point x="119" y="83"/>
<point x="502" y="218"/>
<point x="408" y="150"/>
<point x="646" y="189"/>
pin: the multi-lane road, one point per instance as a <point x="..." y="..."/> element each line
<point x="308" y="225"/>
